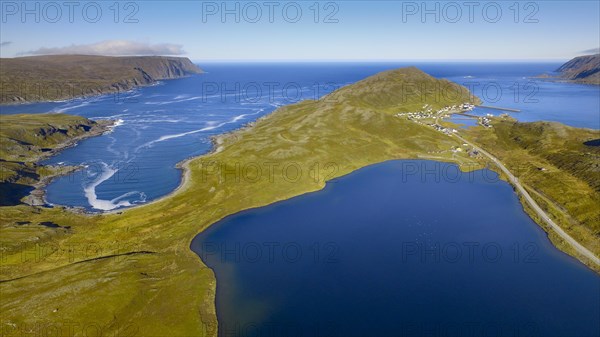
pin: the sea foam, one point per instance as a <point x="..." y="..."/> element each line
<point x="107" y="205"/>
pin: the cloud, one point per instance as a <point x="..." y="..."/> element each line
<point x="5" y="43"/>
<point x="113" y="48"/>
<point x="591" y="51"/>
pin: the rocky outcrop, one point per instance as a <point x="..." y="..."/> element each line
<point x="163" y="68"/>
<point x="27" y="140"/>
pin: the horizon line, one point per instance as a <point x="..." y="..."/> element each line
<point x="424" y="60"/>
<point x="370" y="60"/>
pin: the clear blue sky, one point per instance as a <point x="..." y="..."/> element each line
<point x="365" y="30"/>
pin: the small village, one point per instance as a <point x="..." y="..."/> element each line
<point x="429" y="117"/>
<point x="445" y="112"/>
<point x="442" y="129"/>
<point x="428" y="113"/>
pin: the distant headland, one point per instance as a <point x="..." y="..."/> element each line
<point x="60" y="77"/>
<point x="582" y="69"/>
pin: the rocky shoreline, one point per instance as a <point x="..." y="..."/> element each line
<point x="580" y="70"/>
<point x="37" y="197"/>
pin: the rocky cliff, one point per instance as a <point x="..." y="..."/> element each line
<point x="583" y="69"/>
<point x="57" y="77"/>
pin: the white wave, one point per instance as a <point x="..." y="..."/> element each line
<point x="118" y="123"/>
<point x="142" y="197"/>
<point x="110" y="148"/>
<point x="211" y="126"/>
<point x="187" y="99"/>
<point x="166" y="120"/>
<point x="176" y="100"/>
<point x="237" y="118"/>
<point x="167" y="137"/>
<point x="107" y="205"/>
<point x="59" y="109"/>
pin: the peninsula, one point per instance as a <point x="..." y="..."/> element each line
<point x="582" y="69"/>
<point x="26" y="140"/>
<point x="141" y="278"/>
<point x="60" y="77"/>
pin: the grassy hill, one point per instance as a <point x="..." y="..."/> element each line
<point x="56" y="77"/>
<point x="133" y="271"/>
<point x="401" y="90"/>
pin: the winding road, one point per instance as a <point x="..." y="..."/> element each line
<point x="539" y="211"/>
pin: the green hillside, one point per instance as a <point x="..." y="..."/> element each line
<point x="57" y="77"/>
<point x="27" y="139"/>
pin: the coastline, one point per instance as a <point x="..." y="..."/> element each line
<point x="185" y="181"/>
<point x="217" y="146"/>
<point x="559" y="79"/>
<point x="187" y="299"/>
<point x="32" y="76"/>
<point x="37" y="197"/>
<point x="92" y="95"/>
<point x="502" y="179"/>
<point x="540" y="222"/>
<point x="527" y="201"/>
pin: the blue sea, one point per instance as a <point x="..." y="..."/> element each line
<point x="161" y="125"/>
